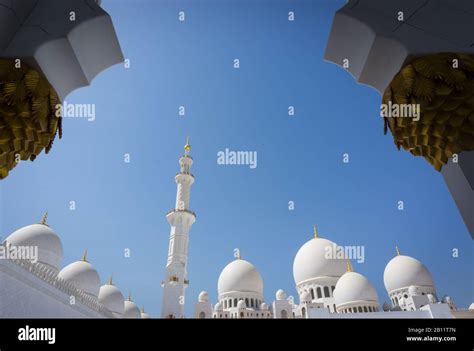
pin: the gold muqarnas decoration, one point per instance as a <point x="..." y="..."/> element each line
<point x="28" y="121"/>
<point x="443" y="86"/>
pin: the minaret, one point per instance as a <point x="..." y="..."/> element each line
<point x="180" y="219"/>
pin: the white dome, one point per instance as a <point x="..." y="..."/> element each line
<point x="131" y="310"/>
<point x="143" y="314"/>
<point x="240" y="275"/>
<point x="471" y="307"/>
<point x="83" y="276"/>
<point x="50" y="249"/>
<point x="264" y="306"/>
<point x="111" y="297"/>
<point x="310" y="261"/>
<point x="218" y="307"/>
<point x="404" y="271"/>
<point x="353" y="287"/>
<point x="280" y="295"/>
<point x="241" y="304"/>
<point x="203" y="297"/>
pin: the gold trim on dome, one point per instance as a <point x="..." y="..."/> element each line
<point x="315" y="232"/>
<point x="44" y="218"/>
<point x="349" y="266"/>
<point x="84" y="256"/>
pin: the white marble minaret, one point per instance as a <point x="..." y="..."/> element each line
<point x="181" y="219"/>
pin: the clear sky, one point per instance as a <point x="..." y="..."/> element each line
<point x="123" y="205"/>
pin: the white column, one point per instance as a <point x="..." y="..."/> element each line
<point x="180" y="219"/>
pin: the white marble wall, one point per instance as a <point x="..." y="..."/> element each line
<point x="24" y="295"/>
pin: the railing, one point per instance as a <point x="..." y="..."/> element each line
<point x="176" y="210"/>
<point x="187" y="173"/>
<point x="174" y="279"/>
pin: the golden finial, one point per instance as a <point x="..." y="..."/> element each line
<point x="84" y="257"/>
<point x="45" y="217"/>
<point x="398" y="250"/>
<point x="110" y="282"/>
<point x="143" y="309"/>
<point x="238" y="254"/>
<point x="129" y="296"/>
<point x="348" y="266"/>
<point x="315" y="232"/>
<point x="187" y="147"/>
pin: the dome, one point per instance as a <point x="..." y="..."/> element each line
<point x="280" y="295"/>
<point x="218" y="307"/>
<point x="446" y="299"/>
<point x="404" y="271"/>
<point x="240" y="275"/>
<point x="111" y="297"/>
<point x="352" y="287"/>
<point x="241" y="304"/>
<point x="50" y="249"/>
<point x="143" y="314"/>
<point x="203" y="297"/>
<point x="130" y="309"/>
<point x="83" y="276"/>
<point x="310" y="261"/>
<point x="264" y="306"/>
<point x="413" y="290"/>
<point x="471" y="307"/>
<point x="305" y="296"/>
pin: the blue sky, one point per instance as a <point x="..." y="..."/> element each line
<point x="190" y="64"/>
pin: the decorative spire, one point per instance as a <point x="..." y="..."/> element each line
<point x="84" y="257"/>
<point x="110" y="282"/>
<point x="315" y="232"/>
<point x="143" y="309"/>
<point x="45" y="217"/>
<point x="187" y="147"/>
<point x="238" y="256"/>
<point x="129" y="296"/>
<point x="348" y="266"/>
<point x="398" y="250"/>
